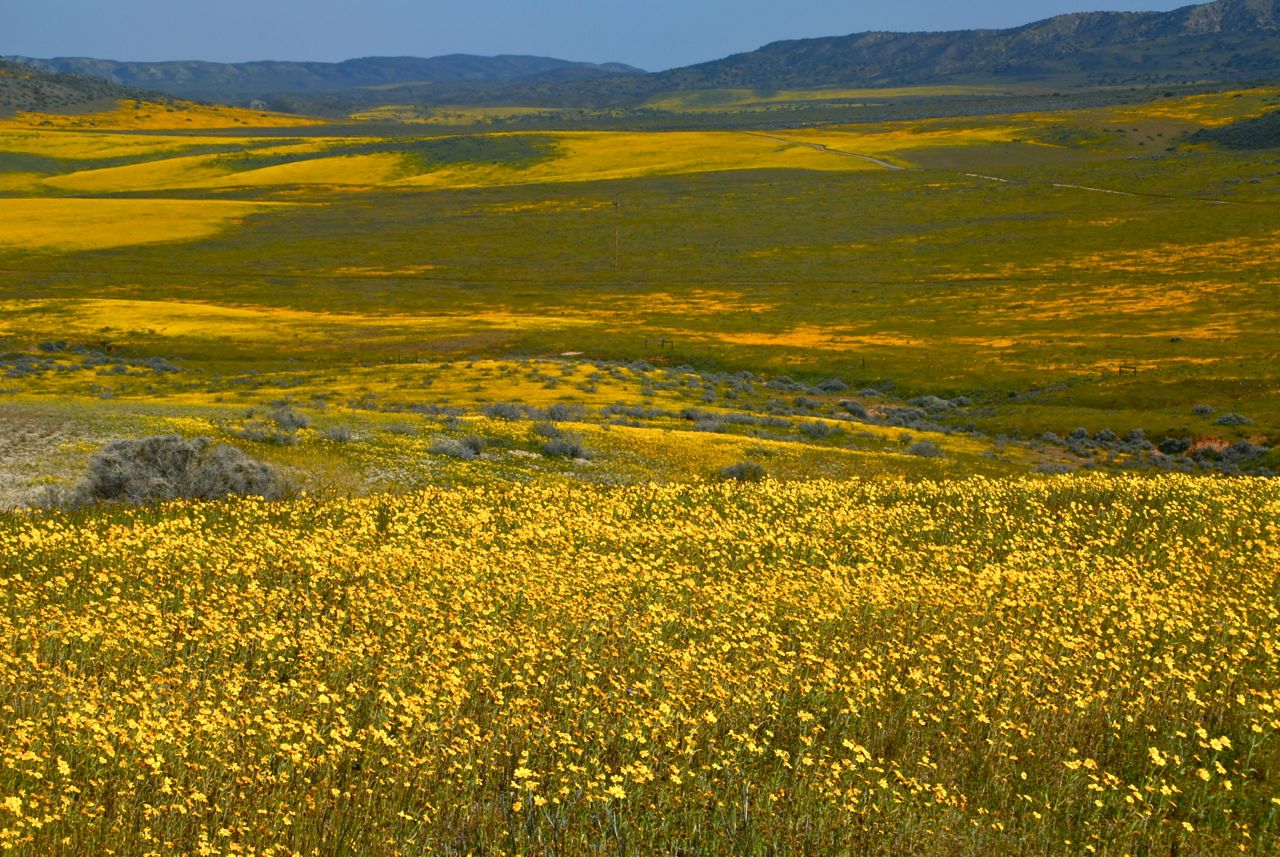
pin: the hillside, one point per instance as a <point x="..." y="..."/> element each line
<point x="23" y="88"/>
<point x="1227" y="39"/>
<point x="1262" y="132"/>
<point x="235" y="82"/>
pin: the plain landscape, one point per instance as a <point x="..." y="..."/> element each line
<point x="857" y="446"/>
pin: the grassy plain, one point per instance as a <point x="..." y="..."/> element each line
<point x="1020" y="260"/>
<point x="460" y="640"/>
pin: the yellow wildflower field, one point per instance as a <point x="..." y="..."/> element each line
<point x="89" y="145"/>
<point x="204" y="172"/>
<point x="224" y="323"/>
<point x="92" y="224"/>
<point x="130" y="115"/>
<point x="600" y="156"/>
<point x="1058" y="665"/>
<point x="1211" y="109"/>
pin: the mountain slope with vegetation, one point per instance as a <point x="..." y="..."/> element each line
<point x="1227" y="39"/>
<point x="23" y="88"/>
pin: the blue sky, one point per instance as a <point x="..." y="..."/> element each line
<point x="653" y="34"/>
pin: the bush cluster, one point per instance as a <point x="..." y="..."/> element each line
<point x="156" y="469"/>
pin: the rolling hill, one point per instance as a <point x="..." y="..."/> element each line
<point x="1260" y="132"/>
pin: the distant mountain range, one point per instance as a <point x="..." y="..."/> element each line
<point x="1222" y="41"/>
<point x="212" y="81"/>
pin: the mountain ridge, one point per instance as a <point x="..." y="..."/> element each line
<point x="264" y="78"/>
<point x="1079" y="42"/>
<point x="1216" y="42"/>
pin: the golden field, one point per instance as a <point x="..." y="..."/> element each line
<point x="93" y="224"/>
<point x="1065" y="666"/>
<point x="175" y="115"/>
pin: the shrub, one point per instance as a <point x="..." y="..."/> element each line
<point x="289" y="419"/>
<point x="1175" y="445"/>
<point x="805" y="403"/>
<point x="1233" y="420"/>
<point x="340" y="434"/>
<point x="925" y="449"/>
<point x="159" y="365"/>
<point x="743" y="471"/>
<point x="170" y="467"/>
<point x="1208" y="449"/>
<point x="1054" y="468"/>
<point x="933" y="404"/>
<point x="406" y="429"/>
<point x="565" y="447"/>
<point x="782" y="382"/>
<point x="548" y="430"/>
<point x="464" y="449"/>
<point x="504" y="411"/>
<point x="1202" y="410"/>
<point x="816" y="430"/>
<point x="906" y="418"/>
<point x="857" y="409"/>
<point x="264" y="432"/>
<point x="1243" y="451"/>
<point x="833" y="385"/>
<point x="561" y="412"/>
<point x="1137" y="439"/>
<point x="635" y="412"/>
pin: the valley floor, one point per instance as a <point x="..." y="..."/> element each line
<point x="880" y="486"/>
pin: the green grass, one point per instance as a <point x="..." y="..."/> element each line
<point x="881" y="256"/>
<point x="1029" y="296"/>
